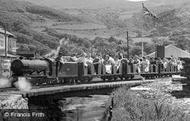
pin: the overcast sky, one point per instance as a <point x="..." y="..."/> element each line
<point x="136" y="0"/>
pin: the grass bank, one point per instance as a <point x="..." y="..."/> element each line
<point x="130" y="106"/>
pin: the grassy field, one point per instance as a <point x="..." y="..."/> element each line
<point x="78" y="26"/>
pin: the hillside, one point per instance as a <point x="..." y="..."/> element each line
<point x="20" y="18"/>
<point x="85" y="4"/>
<point x="107" y="18"/>
<point x="40" y="28"/>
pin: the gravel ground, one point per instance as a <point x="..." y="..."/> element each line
<point x="166" y="91"/>
<point x="10" y="101"/>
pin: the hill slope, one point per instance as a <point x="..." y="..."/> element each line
<point x="20" y="18"/>
<point x="40" y="28"/>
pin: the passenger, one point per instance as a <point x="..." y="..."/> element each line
<point x="131" y="60"/>
<point x="120" y="56"/>
<point x="165" y="63"/>
<point x="138" y="64"/>
<point x="82" y="59"/>
<point x="108" y="62"/>
<point x="117" y="62"/>
<point x="97" y="60"/>
<point x="159" y="62"/>
<point x="88" y="59"/>
<point x="152" y="60"/>
<point x="63" y="59"/>
<point x="179" y="65"/>
<point x="89" y="63"/>
<point x="73" y="58"/>
<point x="145" y="65"/>
<point x="152" y="64"/>
<point x="169" y="64"/>
<point x="131" y="65"/>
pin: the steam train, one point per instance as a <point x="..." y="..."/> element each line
<point x="46" y="72"/>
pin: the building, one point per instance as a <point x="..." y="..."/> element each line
<point x="7" y="52"/>
<point x="174" y="51"/>
<point x="10" y="44"/>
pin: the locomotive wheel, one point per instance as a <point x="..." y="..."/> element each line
<point x="146" y="77"/>
<point x="115" y="78"/>
<point x="121" y="78"/>
<point x="132" y="76"/>
<point x="103" y="78"/>
<point x="109" y="79"/>
<point x="126" y="78"/>
<point x="89" y="79"/>
<point x="78" y="81"/>
<point x="57" y="81"/>
<point x="66" y="81"/>
<point x="85" y="80"/>
<point x="62" y="81"/>
<point x="73" y="81"/>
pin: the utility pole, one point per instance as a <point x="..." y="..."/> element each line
<point x="5" y="41"/>
<point x="128" y="44"/>
<point x="142" y="47"/>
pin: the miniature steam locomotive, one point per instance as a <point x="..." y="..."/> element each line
<point x="47" y="72"/>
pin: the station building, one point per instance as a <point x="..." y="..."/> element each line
<point x="8" y="49"/>
<point x="172" y="50"/>
<point x="8" y="45"/>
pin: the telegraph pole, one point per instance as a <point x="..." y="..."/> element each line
<point x="128" y="44"/>
<point x="5" y="41"/>
<point x="142" y="51"/>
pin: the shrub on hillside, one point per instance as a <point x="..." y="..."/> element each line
<point x="128" y="106"/>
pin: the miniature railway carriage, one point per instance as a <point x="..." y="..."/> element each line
<point x="47" y="72"/>
<point x="186" y="73"/>
<point x="186" y="68"/>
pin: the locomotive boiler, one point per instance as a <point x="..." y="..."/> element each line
<point x="30" y="67"/>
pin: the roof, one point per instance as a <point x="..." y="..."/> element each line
<point x="142" y="39"/>
<point x="8" y="33"/>
<point x="8" y="55"/>
<point x="174" y="51"/>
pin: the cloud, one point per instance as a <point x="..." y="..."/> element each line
<point x="136" y="0"/>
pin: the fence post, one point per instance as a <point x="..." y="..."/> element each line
<point x="110" y="109"/>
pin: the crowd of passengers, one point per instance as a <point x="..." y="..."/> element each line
<point x="142" y="64"/>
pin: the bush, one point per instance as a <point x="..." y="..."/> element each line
<point x="128" y="106"/>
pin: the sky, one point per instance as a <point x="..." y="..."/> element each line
<point x="136" y="0"/>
